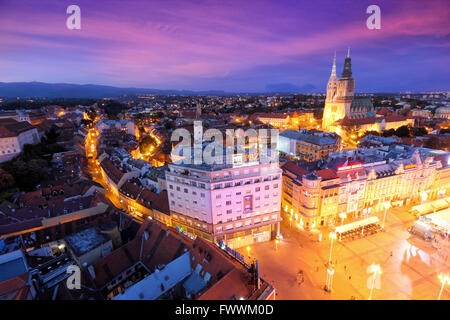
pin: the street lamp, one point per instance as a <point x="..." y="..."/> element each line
<point x="330" y="274"/>
<point x="387" y="205"/>
<point x="445" y="279"/>
<point x="332" y="237"/>
<point x="276" y="244"/>
<point x="375" y="269"/>
<point x="248" y="251"/>
<point x="290" y="223"/>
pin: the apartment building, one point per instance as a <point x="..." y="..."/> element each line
<point x="360" y="182"/>
<point x="237" y="203"/>
<point x="309" y="145"/>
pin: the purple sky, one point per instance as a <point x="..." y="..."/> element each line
<point x="226" y="45"/>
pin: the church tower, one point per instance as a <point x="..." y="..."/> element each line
<point x="198" y="111"/>
<point x="346" y="84"/>
<point x="334" y="108"/>
<point x="332" y="83"/>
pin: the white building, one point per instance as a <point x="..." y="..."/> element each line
<point x="443" y="112"/>
<point x="238" y="203"/>
<point x="421" y="113"/>
<point x="125" y="125"/>
<point x="13" y="136"/>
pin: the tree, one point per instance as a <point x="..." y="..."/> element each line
<point x="388" y="133"/>
<point x="29" y="174"/>
<point x="92" y="114"/>
<point x="51" y="136"/>
<point x="6" y="180"/>
<point x="147" y="144"/>
<point x="372" y="133"/>
<point x="402" y="132"/>
<point x="418" y="131"/>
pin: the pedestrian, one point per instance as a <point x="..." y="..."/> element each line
<point x="391" y="253"/>
<point x="349" y="277"/>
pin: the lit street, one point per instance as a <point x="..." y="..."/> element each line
<point x="410" y="273"/>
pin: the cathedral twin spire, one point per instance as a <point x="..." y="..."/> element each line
<point x="333" y="70"/>
<point x="347" y="66"/>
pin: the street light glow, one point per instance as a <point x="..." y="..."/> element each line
<point x="445" y="279"/>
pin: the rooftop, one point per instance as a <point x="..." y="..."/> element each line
<point x="312" y="136"/>
<point x="12" y="264"/>
<point x="86" y="240"/>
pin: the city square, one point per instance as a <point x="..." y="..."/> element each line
<point x="411" y="272"/>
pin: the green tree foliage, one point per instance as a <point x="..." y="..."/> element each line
<point x="146" y="144"/>
<point x="31" y="165"/>
<point x="6" y="180"/>
<point x="402" y="132"/>
<point x="113" y="108"/>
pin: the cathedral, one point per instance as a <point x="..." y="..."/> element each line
<point x="340" y="101"/>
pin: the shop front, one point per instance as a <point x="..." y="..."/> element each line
<point x="248" y="237"/>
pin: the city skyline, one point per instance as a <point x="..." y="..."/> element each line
<point x="231" y="47"/>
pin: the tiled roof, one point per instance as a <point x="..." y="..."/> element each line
<point x="326" y="174"/>
<point x="292" y="167"/>
<point x="111" y="170"/>
<point x="225" y="277"/>
<point x="12" y="129"/>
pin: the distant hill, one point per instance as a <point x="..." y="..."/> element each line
<point x="65" y="90"/>
<point x="290" y="88"/>
<point x="86" y="91"/>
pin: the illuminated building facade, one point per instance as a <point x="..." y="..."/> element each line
<point x="340" y="101"/>
<point x="309" y="199"/>
<point x="285" y="121"/>
<point x="360" y="182"/>
<point x="237" y="203"/>
<point x="343" y="109"/>
<point x="308" y="145"/>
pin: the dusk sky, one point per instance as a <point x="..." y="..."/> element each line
<point x="238" y="46"/>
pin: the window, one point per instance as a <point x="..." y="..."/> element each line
<point x="218" y="196"/>
<point x="257" y="189"/>
<point x="202" y="195"/>
<point x="238" y="193"/>
<point x="170" y="186"/>
<point x="229" y="211"/>
<point x="266" y="187"/>
<point x="275" y="186"/>
<point x="228" y="203"/>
